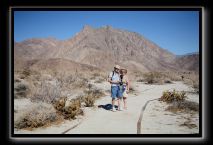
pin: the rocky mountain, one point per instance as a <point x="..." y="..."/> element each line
<point x="189" y="62"/>
<point x="102" y="48"/>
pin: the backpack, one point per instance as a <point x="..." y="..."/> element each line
<point x="112" y="74"/>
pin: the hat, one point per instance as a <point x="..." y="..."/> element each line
<point x="117" y="66"/>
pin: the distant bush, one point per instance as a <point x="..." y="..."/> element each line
<point x="153" y="77"/>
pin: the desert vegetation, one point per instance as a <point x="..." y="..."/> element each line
<point x="177" y="102"/>
<point x="53" y="96"/>
<point x="189" y="78"/>
<point x="38" y="115"/>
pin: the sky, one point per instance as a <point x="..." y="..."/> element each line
<point x="176" y="31"/>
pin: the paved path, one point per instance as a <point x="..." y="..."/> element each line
<point x="102" y="121"/>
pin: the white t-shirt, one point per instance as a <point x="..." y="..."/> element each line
<point x="115" y="77"/>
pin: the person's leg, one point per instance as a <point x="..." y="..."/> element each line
<point x="113" y="104"/>
<point x="118" y="103"/>
<point x="113" y="95"/>
<point x="120" y="96"/>
<point x="125" y="103"/>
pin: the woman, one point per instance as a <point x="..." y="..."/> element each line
<point x="124" y="86"/>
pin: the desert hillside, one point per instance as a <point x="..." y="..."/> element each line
<point x="102" y="48"/>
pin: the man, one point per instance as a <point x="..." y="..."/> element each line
<point x="114" y="79"/>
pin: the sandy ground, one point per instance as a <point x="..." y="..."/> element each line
<point x="98" y="120"/>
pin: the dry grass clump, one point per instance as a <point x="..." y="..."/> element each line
<point x="171" y="96"/>
<point x="40" y="115"/>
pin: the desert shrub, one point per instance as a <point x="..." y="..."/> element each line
<point x="46" y="92"/>
<point x="73" y="109"/>
<point x="69" y="109"/>
<point x="171" y="96"/>
<point x="89" y="100"/>
<point x="90" y="97"/>
<point x="153" y="77"/>
<point x="59" y="103"/>
<point x="40" y="115"/>
<point x="25" y="73"/>
<point x="178" y="102"/>
<point x="79" y="83"/>
<point x="183" y="106"/>
<point x="173" y="76"/>
<point x="96" y="93"/>
<point x="21" y="89"/>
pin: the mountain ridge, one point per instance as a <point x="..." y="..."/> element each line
<point x="102" y="48"/>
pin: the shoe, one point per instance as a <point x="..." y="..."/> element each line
<point x="120" y="109"/>
<point x="113" y="109"/>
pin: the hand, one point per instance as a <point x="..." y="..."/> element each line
<point x="127" y="91"/>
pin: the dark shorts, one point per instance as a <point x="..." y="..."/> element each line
<point x="116" y="92"/>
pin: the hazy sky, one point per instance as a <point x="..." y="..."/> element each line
<point x="176" y="31"/>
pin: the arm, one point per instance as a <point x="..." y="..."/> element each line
<point x="110" y="80"/>
<point x="128" y="84"/>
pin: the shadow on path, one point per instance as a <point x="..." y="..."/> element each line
<point x="107" y="106"/>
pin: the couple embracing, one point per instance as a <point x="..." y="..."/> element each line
<point x="119" y="87"/>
